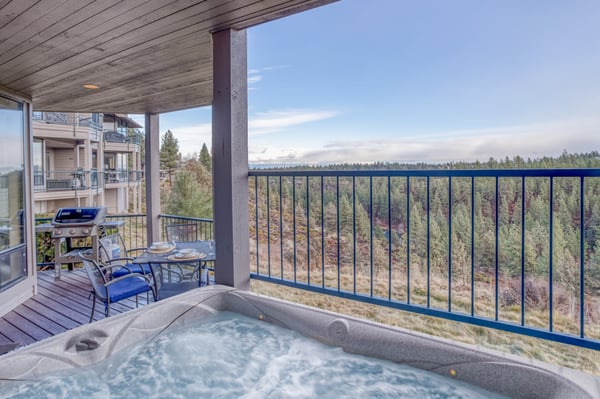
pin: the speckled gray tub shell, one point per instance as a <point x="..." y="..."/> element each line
<point x="508" y="375"/>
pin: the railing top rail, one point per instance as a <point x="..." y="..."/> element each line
<point x="185" y="218"/>
<point x="127" y="215"/>
<point x="591" y="172"/>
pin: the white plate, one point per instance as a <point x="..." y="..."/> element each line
<point x="160" y="245"/>
<point x="188" y="251"/>
<point x="189" y="254"/>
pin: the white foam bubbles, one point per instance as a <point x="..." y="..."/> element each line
<point x="230" y="356"/>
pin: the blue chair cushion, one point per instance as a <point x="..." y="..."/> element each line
<point x="133" y="268"/>
<point x="127" y="287"/>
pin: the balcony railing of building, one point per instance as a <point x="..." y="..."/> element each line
<point x="515" y="250"/>
<point x="61" y="180"/>
<point x="123" y="136"/>
<point x="71" y="119"/>
<point x="122" y="176"/>
<point x="77" y="179"/>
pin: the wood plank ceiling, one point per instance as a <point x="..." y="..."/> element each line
<point x="145" y="55"/>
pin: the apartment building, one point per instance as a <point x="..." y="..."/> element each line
<point x="86" y="159"/>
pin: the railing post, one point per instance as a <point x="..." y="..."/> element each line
<point x="152" y="178"/>
<point x="230" y="158"/>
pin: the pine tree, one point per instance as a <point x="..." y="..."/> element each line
<point x="188" y="198"/>
<point x="169" y="154"/>
<point x="205" y="158"/>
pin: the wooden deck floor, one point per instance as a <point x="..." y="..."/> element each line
<point x="60" y="305"/>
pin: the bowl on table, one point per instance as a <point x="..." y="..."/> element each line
<point x="160" y="246"/>
<point x="186" y="253"/>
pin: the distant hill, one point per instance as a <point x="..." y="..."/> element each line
<point x="565" y="160"/>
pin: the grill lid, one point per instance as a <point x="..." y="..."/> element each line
<point x="79" y="216"/>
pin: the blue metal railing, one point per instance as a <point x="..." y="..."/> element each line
<point x="516" y="250"/>
<point x="184" y="228"/>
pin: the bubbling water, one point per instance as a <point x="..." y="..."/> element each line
<point x="231" y="356"/>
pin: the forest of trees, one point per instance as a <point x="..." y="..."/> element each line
<point x="388" y="226"/>
<point x="408" y="239"/>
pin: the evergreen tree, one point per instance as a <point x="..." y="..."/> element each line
<point x="205" y="158"/>
<point x="169" y="154"/>
<point x="188" y="198"/>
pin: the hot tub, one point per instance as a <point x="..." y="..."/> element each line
<point x="89" y="344"/>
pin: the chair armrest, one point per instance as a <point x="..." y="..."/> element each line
<point x="109" y="267"/>
<point x="140" y="249"/>
<point x="113" y="260"/>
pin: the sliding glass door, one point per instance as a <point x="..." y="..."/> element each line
<point x="13" y="265"/>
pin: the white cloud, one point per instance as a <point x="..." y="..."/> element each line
<point x="276" y="121"/>
<point x="256" y="75"/>
<point x="190" y="138"/>
<point x="534" y="140"/>
<point x="254" y="79"/>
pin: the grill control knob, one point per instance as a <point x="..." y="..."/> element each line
<point x="72" y="232"/>
<point x="85" y="231"/>
<point x="57" y="232"/>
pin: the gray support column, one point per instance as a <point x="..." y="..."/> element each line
<point x="152" y="176"/>
<point x="230" y="158"/>
<point x="87" y="167"/>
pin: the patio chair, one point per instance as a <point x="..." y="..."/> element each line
<point x="183" y="232"/>
<point x="113" y="290"/>
<point x="114" y="252"/>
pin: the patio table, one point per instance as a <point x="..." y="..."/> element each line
<point x="166" y="259"/>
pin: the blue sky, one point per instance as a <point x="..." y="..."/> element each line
<point x="414" y="81"/>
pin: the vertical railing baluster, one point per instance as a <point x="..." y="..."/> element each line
<point x="408" y="240"/>
<point x="308" y="228"/>
<point x="256" y="205"/>
<point x="354" y="233"/>
<point x="551" y="263"/>
<point x="450" y="244"/>
<point x="523" y="251"/>
<point x="371" y="230"/>
<point x="389" y="182"/>
<point x="581" y="258"/>
<point x="472" y="246"/>
<point x="337" y="198"/>
<point x="322" y="234"/>
<point x="428" y="207"/>
<point x="496" y="228"/>
<point x="294" y="223"/>
<point x="268" y="228"/>
<point x="281" y="225"/>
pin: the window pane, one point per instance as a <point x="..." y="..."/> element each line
<point x="12" y="238"/>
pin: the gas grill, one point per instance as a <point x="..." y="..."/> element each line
<point x="71" y="223"/>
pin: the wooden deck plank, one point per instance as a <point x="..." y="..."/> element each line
<point x="49" y="313"/>
<point x="78" y="289"/>
<point x="59" y="306"/>
<point x="34" y="331"/>
<point x="47" y="302"/>
<point x="14" y="334"/>
<point x="39" y="320"/>
<point x="81" y="298"/>
<point x="58" y="296"/>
